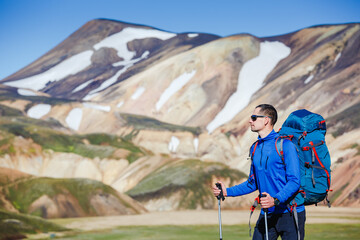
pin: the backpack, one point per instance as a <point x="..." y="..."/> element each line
<point x="307" y="132"/>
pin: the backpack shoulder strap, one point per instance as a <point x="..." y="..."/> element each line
<point x="253" y="146"/>
<point x="279" y="147"/>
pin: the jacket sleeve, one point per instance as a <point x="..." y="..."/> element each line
<point x="244" y="188"/>
<point x="292" y="172"/>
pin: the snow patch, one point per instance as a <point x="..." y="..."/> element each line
<point x="139" y="91"/>
<point x="250" y="80"/>
<point x="26" y="92"/>
<point x="120" y="40"/>
<point x="173" y="144"/>
<point x="120" y="104"/>
<point x="82" y="86"/>
<point x="337" y="57"/>
<point x="133" y="61"/>
<point x="309" y="78"/>
<point x="104" y="85"/>
<point x="196" y="144"/>
<point x="67" y="67"/>
<point x="97" y="107"/>
<point x="39" y="111"/>
<point x="175" y="86"/>
<point x="192" y="35"/>
<point x="127" y="64"/>
<point x="74" y="117"/>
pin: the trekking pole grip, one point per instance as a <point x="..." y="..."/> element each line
<point x="264" y="209"/>
<point x="221" y="195"/>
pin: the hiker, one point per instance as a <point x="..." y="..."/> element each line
<point x="278" y="182"/>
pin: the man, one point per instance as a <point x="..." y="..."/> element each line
<point x="268" y="174"/>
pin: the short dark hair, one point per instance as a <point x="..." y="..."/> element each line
<point x="268" y="110"/>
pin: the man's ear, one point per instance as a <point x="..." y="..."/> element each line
<point x="267" y="121"/>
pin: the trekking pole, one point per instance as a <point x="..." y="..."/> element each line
<point x="219" y="197"/>
<point x="265" y="215"/>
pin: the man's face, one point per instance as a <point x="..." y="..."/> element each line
<point x="259" y="123"/>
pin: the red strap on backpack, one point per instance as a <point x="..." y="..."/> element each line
<point x="253" y="152"/>
<point x="321" y="164"/>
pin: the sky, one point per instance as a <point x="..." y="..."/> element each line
<point x="30" y="28"/>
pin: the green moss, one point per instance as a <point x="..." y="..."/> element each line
<point x="131" y="135"/>
<point x="8" y="111"/>
<point x="357" y="147"/>
<point x="24" y="193"/>
<point x="11" y="94"/>
<point x="336" y="194"/>
<point x="143" y="122"/>
<point x="48" y="134"/>
<point x="83" y="189"/>
<point x="6" y="146"/>
<point x="228" y="134"/>
<point x="105" y="140"/>
<point x="112" y="140"/>
<point x="14" y="224"/>
<point x="191" y="177"/>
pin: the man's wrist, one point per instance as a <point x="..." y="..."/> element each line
<point x="276" y="201"/>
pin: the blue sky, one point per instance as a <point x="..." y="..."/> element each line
<point x="30" y="28"/>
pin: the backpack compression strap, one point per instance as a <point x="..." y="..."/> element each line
<point x="296" y="218"/>
<point x="279" y="146"/>
<point x="315" y="155"/>
<point x="252" y="208"/>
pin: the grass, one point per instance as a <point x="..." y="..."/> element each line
<point x="201" y="232"/>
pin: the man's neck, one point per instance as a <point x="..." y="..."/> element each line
<point x="264" y="132"/>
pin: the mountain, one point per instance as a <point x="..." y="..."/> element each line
<point x="132" y="106"/>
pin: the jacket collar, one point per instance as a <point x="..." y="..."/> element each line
<point x="271" y="135"/>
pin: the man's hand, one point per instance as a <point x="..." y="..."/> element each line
<point x="217" y="191"/>
<point x="267" y="202"/>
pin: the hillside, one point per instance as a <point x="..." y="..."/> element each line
<point x="61" y="198"/>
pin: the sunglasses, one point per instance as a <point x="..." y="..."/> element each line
<point x="254" y="117"/>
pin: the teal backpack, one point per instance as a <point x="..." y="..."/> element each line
<point x="307" y="131"/>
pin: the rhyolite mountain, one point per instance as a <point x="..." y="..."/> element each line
<point x="161" y="115"/>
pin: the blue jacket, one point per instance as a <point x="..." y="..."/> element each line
<point x="269" y="174"/>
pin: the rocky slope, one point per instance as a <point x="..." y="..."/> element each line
<point x="171" y="97"/>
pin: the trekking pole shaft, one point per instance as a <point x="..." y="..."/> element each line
<point x="265" y="216"/>
<point x="266" y="225"/>
<point x="220" y="230"/>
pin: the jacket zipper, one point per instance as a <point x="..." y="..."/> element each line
<point x="262" y="147"/>
<point x="266" y="162"/>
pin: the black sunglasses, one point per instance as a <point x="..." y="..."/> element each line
<point x="254" y="117"/>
